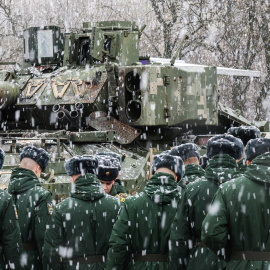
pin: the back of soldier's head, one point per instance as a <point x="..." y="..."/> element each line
<point x="172" y="163"/>
<point x="245" y="133"/>
<point x="257" y="147"/>
<point x="81" y="165"/>
<point x="225" y="144"/>
<point x="28" y="163"/>
<point x="189" y="152"/>
<point x="32" y="156"/>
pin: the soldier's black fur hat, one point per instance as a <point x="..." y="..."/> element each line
<point x="2" y="158"/>
<point x="110" y="155"/>
<point x="256" y="147"/>
<point x="108" y="167"/>
<point x="166" y="152"/>
<point x="204" y="160"/>
<point x="186" y="151"/>
<point x="39" y="155"/>
<point x="225" y="144"/>
<point x="81" y="165"/>
<point x="245" y="133"/>
<point x="173" y="163"/>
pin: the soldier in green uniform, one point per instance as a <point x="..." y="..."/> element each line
<point x="186" y="251"/>
<point x="189" y="153"/>
<point x="81" y="225"/>
<point x="34" y="203"/>
<point x="10" y="238"/>
<point x="141" y="233"/>
<point x="238" y="221"/>
<point x="245" y="133"/>
<point x="108" y="173"/>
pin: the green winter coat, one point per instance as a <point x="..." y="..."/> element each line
<point x="186" y="249"/>
<point x="80" y="226"/>
<point x="192" y="173"/>
<point x="242" y="166"/>
<point x="117" y="188"/>
<point x="10" y="238"/>
<point x="34" y="205"/>
<point x="239" y="218"/>
<point x="143" y="226"/>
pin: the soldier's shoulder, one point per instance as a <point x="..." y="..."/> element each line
<point x="39" y="188"/>
<point x="66" y="204"/>
<point x="196" y="187"/>
<point x="234" y="183"/>
<point x="136" y="198"/>
<point x="200" y="181"/>
<point x="4" y="195"/>
<point x="41" y="191"/>
<point x="5" y="198"/>
<point x="111" y="200"/>
<point x="121" y="196"/>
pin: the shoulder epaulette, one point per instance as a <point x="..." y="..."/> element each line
<point x="121" y="196"/>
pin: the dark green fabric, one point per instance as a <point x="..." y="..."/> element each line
<point x="192" y="173"/>
<point x="10" y="238"/>
<point x="143" y="226"/>
<point x="242" y="166"/>
<point x="186" y="227"/>
<point x="116" y="189"/>
<point x="31" y="202"/>
<point x="221" y="168"/>
<point x="80" y="225"/>
<point x="239" y="218"/>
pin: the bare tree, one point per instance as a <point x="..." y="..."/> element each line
<point x="239" y="45"/>
<point x="175" y="17"/>
<point x="264" y="20"/>
<point x="227" y="33"/>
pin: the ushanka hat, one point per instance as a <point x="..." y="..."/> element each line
<point x="204" y="160"/>
<point x="256" y="147"/>
<point x="245" y="133"/>
<point x="2" y="158"/>
<point x="39" y="155"/>
<point x="225" y="144"/>
<point x="109" y="165"/>
<point x="186" y="151"/>
<point x="166" y="152"/>
<point x="81" y="165"/>
<point x="174" y="163"/>
<point x="108" y="156"/>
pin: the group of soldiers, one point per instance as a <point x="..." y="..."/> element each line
<point x="186" y="217"/>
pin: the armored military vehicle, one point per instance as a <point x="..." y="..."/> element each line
<point x="90" y="92"/>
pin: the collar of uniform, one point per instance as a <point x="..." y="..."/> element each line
<point x="221" y="168"/>
<point x="258" y="170"/>
<point x="162" y="188"/>
<point x="87" y="187"/>
<point x="21" y="180"/>
<point x="194" y="169"/>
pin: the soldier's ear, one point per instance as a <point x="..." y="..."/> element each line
<point x="74" y="177"/>
<point x="248" y="162"/>
<point x="37" y="171"/>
